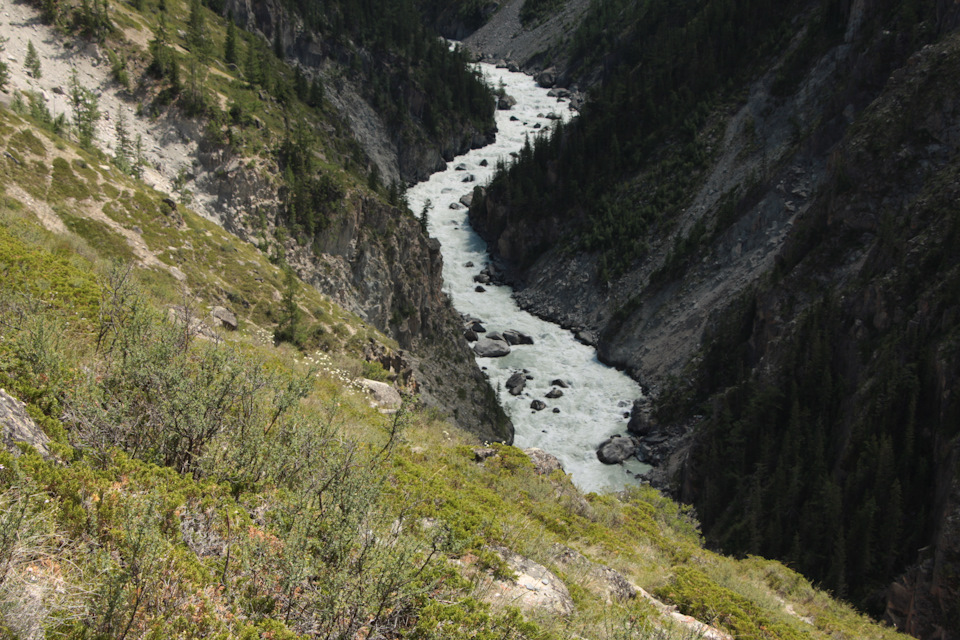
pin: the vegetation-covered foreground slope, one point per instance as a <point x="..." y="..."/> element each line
<point x="190" y="482"/>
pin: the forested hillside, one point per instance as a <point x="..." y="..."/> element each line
<point x="757" y="194"/>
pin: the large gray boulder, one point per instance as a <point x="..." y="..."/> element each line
<point x="547" y="78"/>
<point x="616" y="449"/>
<point x="227" y="318"/>
<point x="506" y="102"/>
<point x="487" y="348"/>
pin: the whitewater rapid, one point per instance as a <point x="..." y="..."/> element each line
<point x="592" y="408"/>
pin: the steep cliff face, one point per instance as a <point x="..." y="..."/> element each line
<point x="849" y="351"/>
<point x="403" y="147"/>
<point x="374" y="260"/>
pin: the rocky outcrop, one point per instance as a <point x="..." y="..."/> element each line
<point x="534" y="588"/>
<point x="543" y="462"/>
<point x="16" y="426"/>
<point x="504" y="38"/>
<point x="382" y="395"/>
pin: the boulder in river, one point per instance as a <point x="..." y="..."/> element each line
<point x="506" y="102"/>
<point x="616" y="449"/>
<point x="547" y="78"/>
<point x="487" y="348"/>
<point x="560" y="383"/>
<point x="553" y="394"/>
<point x="538" y="405"/>
<point x="469" y="178"/>
<point x="640" y="423"/>
<point x="476" y="326"/>
<point x="516" y="383"/>
<point x="514" y="337"/>
<point x="496" y="335"/>
<point x="466" y="200"/>
<point x="470" y="335"/>
<point x="479" y="289"/>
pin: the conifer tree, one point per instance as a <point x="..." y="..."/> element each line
<point x="122" y="151"/>
<point x="86" y="111"/>
<point x="32" y="61"/>
<point x="4" y="70"/>
<point x="197" y="36"/>
<point x="315" y="98"/>
<point x="230" y="44"/>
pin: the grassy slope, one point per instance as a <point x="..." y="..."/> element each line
<point x="298" y="513"/>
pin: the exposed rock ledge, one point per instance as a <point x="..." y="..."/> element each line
<point x="17" y="426"/>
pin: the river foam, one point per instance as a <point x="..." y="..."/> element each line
<point x="593" y="406"/>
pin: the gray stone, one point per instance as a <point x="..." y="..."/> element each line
<point x="470" y="335"/>
<point x="16" y="425"/>
<point x="616" y="449"/>
<point x="516" y="383"/>
<point x="553" y="394"/>
<point x="543" y="462"/>
<point x="547" y="78"/>
<point x="384" y="396"/>
<point x="487" y="348"/>
<point x="560" y="383"/>
<point x="226" y="317"/>
<point x="538" y="405"/>
<point x="467" y="200"/>
<point x="640" y="423"/>
<point x="482" y="453"/>
<point x="506" y="102"/>
<point x="514" y="337"/>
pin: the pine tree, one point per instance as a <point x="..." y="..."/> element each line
<point x="316" y="93"/>
<point x="230" y="45"/>
<point x="86" y="111"/>
<point x="197" y="36"/>
<point x="424" y="220"/>
<point x="291" y="316"/>
<point x="251" y="67"/>
<point x="122" y="151"/>
<point x="139" y="160"/>
<point x="4" y="70"/>
<point x="32" y="62"/>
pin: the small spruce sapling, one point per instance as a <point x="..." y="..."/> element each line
<point x="4" y="69"/>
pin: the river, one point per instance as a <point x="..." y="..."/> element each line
<point x="593" y="405"/>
